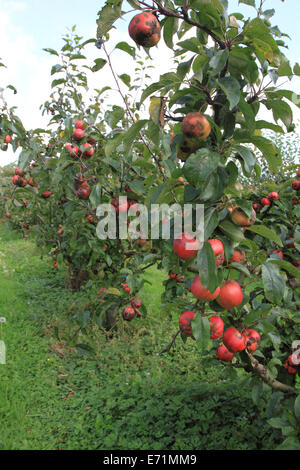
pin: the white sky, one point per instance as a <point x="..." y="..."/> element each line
<point x="28" y="69"/>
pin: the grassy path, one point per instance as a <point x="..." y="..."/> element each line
<point x="124" y="397"/>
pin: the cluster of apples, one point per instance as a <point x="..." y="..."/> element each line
<point x="126" y="288"/>
<point x="81" y="186"/>
<point x="7" y="140"/>
<point x="124" y="207"/>
<point x="129" y="313"/>
<point x="229" y="294"/>
<point x="233" y="340"/>
<point x="20" y="181"/>
<point x="186" y="247"/>
<point x="266" y="201"/>
<point x="292" y="364"/>
<point x="178" y="277"/>
<point x="87" y="148"/>
<point x="145" y="30"/>
<point x="195" y="128"/>
<point x="18" y="178"/>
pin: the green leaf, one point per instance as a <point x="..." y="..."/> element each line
<point x="107" y="16"/>
<point x="281" y="111"/>
<point x="191" y="44"/>
<point x="248" y="113"/>
<point x="51" y="51"/>
<point x="297" y="408"/>
<point x="201" y="331"/>
<point x="291" y="443"/>
<point x="269" y="125"/>
<point x="24" y="159"/>
<point x="241" y="268"/>
<point x="95" y="197"/>
<point x="165" y="80"/>
<point x="211" y="220"/>
<point x="248" y="158"/>
<point x="125" y="79"/>
<point x="248" y="2"/>
<point x="57" y="82"/>
<point x="132" y="134"/>
<point x="56" y="68"/>
<point x="232" y="90"/>
<point x="137" y="187"/>
<point x="200" y="165"/>
<point x="286" y="266"/>
<point x="218" y="61"/>
<point x="297" y="69"/>
<point x="170" y="27"/>
<point x="268" y="149"/>
<point x="123" y="46"/>
<point x="77" y="56"/>
<point x="112" y="144"/>
<point x="232" y="231"/>
<point x="274" y="283"/>
<point x="207" y="266"/>
<point x="277" y="423"/>
<point x="266" y="232"/>
<point x="114" y="116"/>
<point x="99" y="64"/>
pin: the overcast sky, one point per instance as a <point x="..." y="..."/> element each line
<point x="28" y="26"/>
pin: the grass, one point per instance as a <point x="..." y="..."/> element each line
<point x="125" y="396"/>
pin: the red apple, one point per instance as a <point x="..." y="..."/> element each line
<point x="216" y="327"/>
<point x="265" y="201"/>
<point x="230" y="295"/>
<point x="185" y="321"/>
<point x="129" y="313"/>
<point x="239" y="217"/>
<point x="78" y="134"/>
<point x="145" y="29"/>
<point x="290" y="369"/>
<point x="83" y="193"/>
<point x="238" y="257"/>
<point x="72" y="149"/>
<point x="79" y="125"/>
<point x="234" y="340"/>
<point x="186" y="247"/>
<point x="136" y="303"/>
<point x="200" y="292"/>
<point x="223" y="354"/>
<point x="88" y="152"/>
<point x="218" y="249"/>
<point x="274" y="196"/>
<point x="46" y="194"/>
<point x="195" y="125"/>
<point x="172" y="275"/>
<point x="252" y="338"/>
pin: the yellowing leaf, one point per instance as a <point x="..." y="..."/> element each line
<point x="156" y="110"/>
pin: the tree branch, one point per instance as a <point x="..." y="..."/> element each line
<point x="185" y="17"/>
<point x="261" y="371"/>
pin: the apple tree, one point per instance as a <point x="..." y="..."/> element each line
<point x="185" y="139"/>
